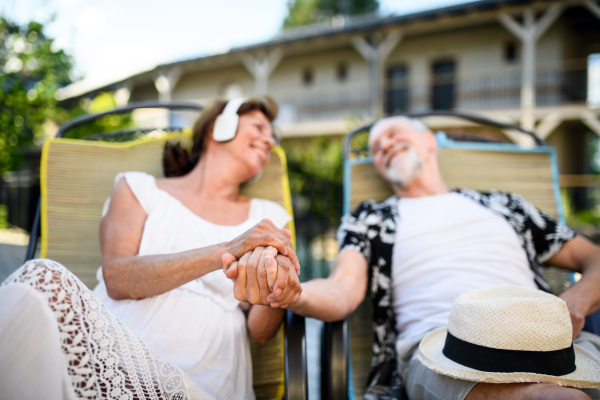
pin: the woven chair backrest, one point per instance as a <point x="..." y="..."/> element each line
<point x="77" y="177"/>
<point x="528" y="174"/>
<point x="482" y="166"/>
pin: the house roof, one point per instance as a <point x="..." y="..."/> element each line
<point x="355" y="25"/>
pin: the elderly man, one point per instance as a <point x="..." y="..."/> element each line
<point x="422" y="248"/>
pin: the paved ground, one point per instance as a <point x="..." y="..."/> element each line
<point x="12" y="254"/>
<point x="13" y="246"/>
<point x="11" y="258"/>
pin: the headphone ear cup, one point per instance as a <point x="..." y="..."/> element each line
<point x="225" y="127"/>
<point x="226" y="123"/>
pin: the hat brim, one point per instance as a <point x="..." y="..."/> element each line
<point x="587" y="374"/>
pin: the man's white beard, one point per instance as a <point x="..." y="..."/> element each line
<point x="404" y="168"/>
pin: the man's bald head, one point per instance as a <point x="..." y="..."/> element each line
<point x="387" y="123"/>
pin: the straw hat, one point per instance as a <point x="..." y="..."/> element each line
<point x="510" y="334"/>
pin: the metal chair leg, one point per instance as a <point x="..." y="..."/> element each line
<point x="296" y="377"/>
<point x="334" y="361"/>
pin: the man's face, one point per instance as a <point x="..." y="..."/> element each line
<point x="399" y="152"/>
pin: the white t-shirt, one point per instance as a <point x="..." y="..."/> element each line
<point x="447" y="245"/>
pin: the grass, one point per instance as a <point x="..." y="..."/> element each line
<point x="3" y="216"/>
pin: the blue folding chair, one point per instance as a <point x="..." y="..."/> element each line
<point x="465" y="161"/>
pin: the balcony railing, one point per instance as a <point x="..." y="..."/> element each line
<point x="473" y="90"/>
<point x="553" y="87"/>
<point x="324" y="106"/>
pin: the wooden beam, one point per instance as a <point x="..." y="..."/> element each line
<point x="593" y="7"/>
<point x="590" y="119"/>
<point x="566" y="180"/>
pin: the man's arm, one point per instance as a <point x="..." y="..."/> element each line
<point x="330" y="299"/>
<point x="583" y="298"/>
<point x="336" y="297"/>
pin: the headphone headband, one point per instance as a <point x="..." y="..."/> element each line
<point x="226" y="123"/>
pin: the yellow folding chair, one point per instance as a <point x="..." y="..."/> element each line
<point x="531" y="172"/>
<point x="77" y="176"/>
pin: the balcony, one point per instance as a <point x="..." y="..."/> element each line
<point x="468" y="90"/>
<point x="324" y="106"/>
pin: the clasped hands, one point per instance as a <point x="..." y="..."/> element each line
<point x="265" y="275"/>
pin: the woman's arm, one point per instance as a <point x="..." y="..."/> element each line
<point x="128" y="276"/>
<point x="263" y="322"/>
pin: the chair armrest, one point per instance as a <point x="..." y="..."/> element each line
<point x="296" y="377"/>
<point x="592" y="323"/>
<point x="35" y="234"/>
<point x="334" y="360"/>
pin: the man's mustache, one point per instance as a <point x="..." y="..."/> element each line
<point x="393" y="152"/>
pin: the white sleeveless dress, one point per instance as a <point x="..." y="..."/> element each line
<point x="198" y="327"/>
<point x="58" y="341"/>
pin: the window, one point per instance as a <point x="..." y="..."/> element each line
<point x="443" y="90"/>
<point x="397" y="89"/>
<point x="307" y="77"/>
<point x="342" y="72"/>
<point x="511" y="52"/>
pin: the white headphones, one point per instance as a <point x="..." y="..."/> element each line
<point x="226" y="123"/>
<point x="226" y="126"/>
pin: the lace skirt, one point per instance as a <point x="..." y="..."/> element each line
<point x="57" y="341"/>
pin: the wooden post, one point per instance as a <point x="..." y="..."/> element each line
<point x="165" y="83"/>
<point x="375" y="53"/>
<point x="529" y="32"/>
<point x="262" y="69"/>
<point x="123" y="93"/>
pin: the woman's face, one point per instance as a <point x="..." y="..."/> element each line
<point x="253" y="141"/>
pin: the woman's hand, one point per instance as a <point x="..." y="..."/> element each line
<point x="263" y="234"/>
<point x="254" y="274"/>
<point x="263" y="277"/>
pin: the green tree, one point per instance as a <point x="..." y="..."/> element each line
<point x="304" y="12"/>
<point x="315" y="174"/>
<point x="30" y="74"/>
<point x="102" y="102"/>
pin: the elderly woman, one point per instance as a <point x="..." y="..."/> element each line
<point x="163" y="322"/>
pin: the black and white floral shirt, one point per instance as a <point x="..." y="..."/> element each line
<point x="371" y="230"/>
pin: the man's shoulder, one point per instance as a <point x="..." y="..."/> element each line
<point x="374" y="206"/>
<point x="492" y="196"/>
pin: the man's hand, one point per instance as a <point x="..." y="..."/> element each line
<point x="583" y="298"/>
<point x="575" y="312"/>
<point x="254" y="274"/>
<point x="287" y="288"/>
<point x="263" y="234"/>
<point x="263" y="277"/>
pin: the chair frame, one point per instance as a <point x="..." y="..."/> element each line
<point x="335" y="350"/>
<point x="295" y="367"/>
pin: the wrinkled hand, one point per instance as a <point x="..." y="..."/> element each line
<point x="287" y="287"/>
<point x="254" y="274"/>
<point x="576" y="311"/>
<point x="263" y="234"/>
<point x="263" y="277"/>
<point x="577" y="317"/>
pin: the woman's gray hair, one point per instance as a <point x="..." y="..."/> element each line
<point x="384" y="123"/>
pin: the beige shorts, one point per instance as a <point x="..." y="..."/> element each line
<point x="424" y="384"/>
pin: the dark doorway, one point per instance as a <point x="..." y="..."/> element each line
<point x="397" y="89"/>
<point x="443" y="89"/>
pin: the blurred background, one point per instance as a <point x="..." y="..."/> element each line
<point x="331" y="64"/>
